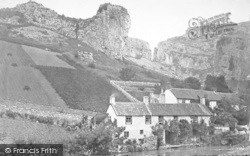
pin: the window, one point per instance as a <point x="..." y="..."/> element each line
<point x="128" y="120"/>
<point x="161" y="120"/>
<point x="175" y="117"/>
<point x="126" y="134"/>
<point x="141" y="131"/>
<point x="179" y="100"/>
<point x="148" y="120"/>
<point x="194" y="118"/>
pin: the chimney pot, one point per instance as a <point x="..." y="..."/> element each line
<point x="146" y="99"/>
<point x="112" y="99"/>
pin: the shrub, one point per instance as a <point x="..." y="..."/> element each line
<point x="1" y="114"/>
<point x="10" y="114"/>
<point x="138" y="149"/>
<point x="26" y="88"/>
<point x="127" y="74"/>
<point x="91" y="65"/>
<point x="130" y="148"/>
<point x="128" y="142"/>
<point x="14" y="64"/>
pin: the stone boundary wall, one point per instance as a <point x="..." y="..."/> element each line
<point x="130" y="97"/>
<point x="56" y="113"/>
<point x="133" y="83"/>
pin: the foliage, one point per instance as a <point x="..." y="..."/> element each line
<point x="216" y="84"/>
<point x="127" y="74"/>
<point x="14" y="64"/>
<point x="225" y="117"/>
<point x="96" y="141"/>
<point x="91" y="65"/>
<point x="199" y="129"/>
<point x="227" y="105"/>
<point x="157" y="130"/>
<point x="174" y="131"/>
<point x="176" y="83"/>
<point x="186" y="130"/>
<point x="192" y="83"/>
<point x="26" y="87"/>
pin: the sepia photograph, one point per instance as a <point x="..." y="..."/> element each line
<point x="124" y="77"/>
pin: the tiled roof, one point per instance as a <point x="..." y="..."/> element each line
<point x="139" y="94"/>
<point x="179" y="109"/>
<point x="195" y="94"/>
<point x="129" y="108"/>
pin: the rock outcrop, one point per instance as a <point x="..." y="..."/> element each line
<point x="227" y="54"/>
<point x="107" y="31"/>
<point x="136" y="48"/>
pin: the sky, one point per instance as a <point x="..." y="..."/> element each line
<point x="151" y="20"/>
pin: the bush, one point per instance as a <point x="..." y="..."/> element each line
<point x="10" y="114"/>
<point x="26" y="88"/>
<point x="91" y="65"/>
<point x="14" y="64"/>
<point x="127" y="74"/>
<point x="130" y="148"/>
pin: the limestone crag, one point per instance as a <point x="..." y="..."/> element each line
<point x="106" y="31"/>
<point x="227" y="54"/>
<point x="136" y="48"/>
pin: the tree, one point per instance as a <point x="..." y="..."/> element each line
<point x="127" y="74"/>
<point x="186" y="130"/>
<point x="223" y="118"/>
<point x="176" y="83"/>
<point x="174" y="131"/>
<point x="192" y="83"/>
<point x="214" y="83"/>
<point x="96" y="141"/>
<point x="200" y="129"/>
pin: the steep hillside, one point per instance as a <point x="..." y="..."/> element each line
<point x="226" y="54"/>
<point x="21" y="82"/>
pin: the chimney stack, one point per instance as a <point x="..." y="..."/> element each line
<point x="112" y="99"/>
<point x="203" y="100"/>
<point x="146" y="100"/>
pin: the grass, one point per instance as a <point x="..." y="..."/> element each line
<point x="80" y="89"/>
<point x="14" y="54"/>
<point x="45" y="58"/>
<point x="29" y="132"/>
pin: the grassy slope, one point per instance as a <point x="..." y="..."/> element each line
<point x="23" y="130"/>
<point x="80" y="89"/>
<point x="84" y="88"/>
<point x="15" y="78"/>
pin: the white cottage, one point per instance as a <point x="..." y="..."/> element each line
<point x="138" y="118"/>
<point x="182" y="95"/>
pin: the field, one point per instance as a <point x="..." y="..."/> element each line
<point x="13" y="53"/>
<point x="81" y="89"/>
<point x="24" y="84"/>
<point x="45" y="58"/>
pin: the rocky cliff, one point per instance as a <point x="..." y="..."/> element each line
<point x="107" y="31"/>
<point x="227" y="54"/>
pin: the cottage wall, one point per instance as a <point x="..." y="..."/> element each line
<point x="212" y="104"/>
<point x="138" y="123"/>
<point x="169" y="97"/>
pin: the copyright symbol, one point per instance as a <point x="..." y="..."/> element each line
<point x="7" y="150"/>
